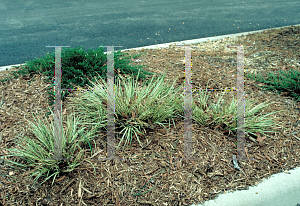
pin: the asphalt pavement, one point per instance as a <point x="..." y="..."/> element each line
<point x="27" y="27"/>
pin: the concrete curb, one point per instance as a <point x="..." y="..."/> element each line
<point x="193" y="41"/>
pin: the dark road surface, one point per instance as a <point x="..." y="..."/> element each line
<point x="27" y="27"/>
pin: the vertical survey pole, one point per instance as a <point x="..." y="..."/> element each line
<point x="188" y="105"/>
<point x="110" y="105"/>
<point x="58" y="105"/>
<point x="240" y="103"/>
<point x="188" y="98"/>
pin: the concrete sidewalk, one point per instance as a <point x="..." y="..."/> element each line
<point x="281" y="189"/>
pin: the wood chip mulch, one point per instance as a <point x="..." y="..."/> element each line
<point x="157" y="174"/>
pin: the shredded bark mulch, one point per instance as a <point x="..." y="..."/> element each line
<point x="157" y="174"/>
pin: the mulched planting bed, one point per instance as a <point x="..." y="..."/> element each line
<point x="157" y="174"/>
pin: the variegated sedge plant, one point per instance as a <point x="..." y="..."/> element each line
<point x="136" y="108"/>
<point x="38" y="151"/>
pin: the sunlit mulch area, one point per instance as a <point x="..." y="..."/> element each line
<point x="156" y="174"/>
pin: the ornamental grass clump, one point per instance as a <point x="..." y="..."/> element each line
<point x="136" y="108"/>
<point x="209" y="114"/>
<point x="38" y="152"/>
